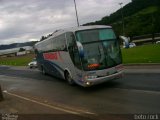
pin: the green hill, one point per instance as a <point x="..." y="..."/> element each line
<point x="140" y="17"/>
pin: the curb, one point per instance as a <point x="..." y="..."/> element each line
<point x="142" y="66"/>
<point x="1" y="94"/>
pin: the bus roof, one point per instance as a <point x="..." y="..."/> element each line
<point x="74" y="29"/>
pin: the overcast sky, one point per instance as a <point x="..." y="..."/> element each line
<point x="28" y="20"/>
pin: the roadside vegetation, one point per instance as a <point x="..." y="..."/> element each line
<point x="17" y="60"/>
<point x="139" y="54"/>
<point x="140" y="17"/>
<point x="142" y="54"/>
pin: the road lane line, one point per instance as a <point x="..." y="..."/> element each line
<point x="46" y="105"/>
<point x="70" y="109"/>
<point x="140" y="91"/>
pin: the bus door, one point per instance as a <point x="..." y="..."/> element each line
<point x="74" y="56"/>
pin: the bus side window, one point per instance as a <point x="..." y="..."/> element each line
<point x="70" y="39"/>
<point x="70" y="44"/>
<point x="62" y="43"/>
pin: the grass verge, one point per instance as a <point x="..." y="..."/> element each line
<point x="142" y="54"/>
<point x="17" y="60"/>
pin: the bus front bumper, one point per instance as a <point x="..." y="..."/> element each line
<point x="99" y="80"/>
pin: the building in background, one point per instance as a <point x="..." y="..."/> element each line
<point x="16" y="51"/>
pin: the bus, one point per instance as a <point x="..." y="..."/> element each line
<point x="85" y="55"/>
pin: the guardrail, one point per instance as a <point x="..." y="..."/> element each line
<point x="143" y="39"/>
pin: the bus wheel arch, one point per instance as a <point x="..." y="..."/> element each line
<point x="68" y="77"/>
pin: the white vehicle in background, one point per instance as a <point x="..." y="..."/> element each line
<point x="157" y="42"/>
<point x="33" y="63"/>
<point x="132" y="45"/>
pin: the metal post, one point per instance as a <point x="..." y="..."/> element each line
<point x="153" y="30"/>
<point x="122" y="18"/>
<point x="1" y="94"/>
<point x="76" y="12"/>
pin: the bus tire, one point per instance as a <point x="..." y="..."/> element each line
<point x="69" y="78"/>
<point x="43" y="70"/>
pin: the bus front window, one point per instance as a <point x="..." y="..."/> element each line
<point x="101" y="49"/>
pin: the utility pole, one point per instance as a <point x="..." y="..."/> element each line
<point x="122" y="18"/>
<point x="76" y="13"/>
<point x="153" y="29"/>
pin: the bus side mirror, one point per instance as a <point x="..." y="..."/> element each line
<point x="80" y="49"/>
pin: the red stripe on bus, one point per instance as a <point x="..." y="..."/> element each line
<point x="50" y="56"/>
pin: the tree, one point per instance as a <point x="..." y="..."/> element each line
<point x="22" y="49"/>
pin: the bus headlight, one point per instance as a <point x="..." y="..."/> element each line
<point x="88" y="83"/>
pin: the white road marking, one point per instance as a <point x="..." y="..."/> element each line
<point x="140" y="91"/>
<point x="50" y="106"/>
<point x="54" y="107"/>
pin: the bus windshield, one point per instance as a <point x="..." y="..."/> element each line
<point x="101" y="48"/>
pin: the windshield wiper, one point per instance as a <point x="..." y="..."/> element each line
<point x="98" y="41"/>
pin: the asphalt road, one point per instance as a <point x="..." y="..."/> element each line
<point x="137" y="92"/>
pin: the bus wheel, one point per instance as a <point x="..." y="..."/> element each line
<point x="69" y="78"/>
<point x="43" y="71"/>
